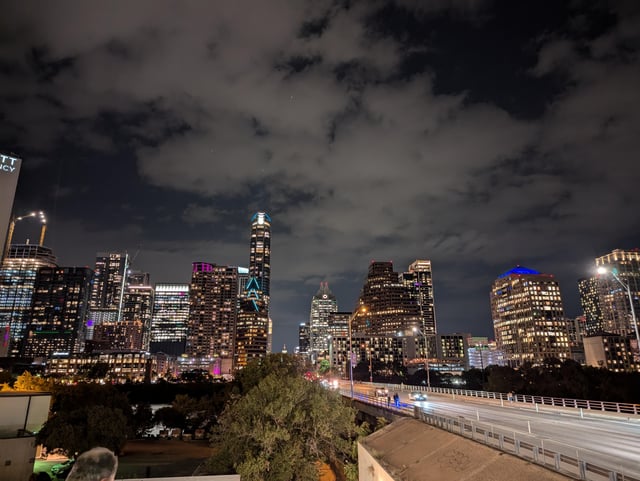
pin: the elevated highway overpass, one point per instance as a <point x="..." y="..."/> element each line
<point x="593" y="444"/>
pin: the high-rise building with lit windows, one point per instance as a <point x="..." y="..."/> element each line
<point x="260" y="254"/>
<point x="323" y="304"/>
<point x="137" y="306"/>
<point x="109" y="280"/>
<point x="17" y="282"/>
<point x="614" y="301"/>
<point x="60" y="310"/>
<point x="386" y="304"/>
<point x="590" y="301"/>
<point x="169" y="322"/>
<point x="419" y="282"/>
<point x="213" y="296"/>
<point x="528" y="317"/>
<point x="254" y="326"/>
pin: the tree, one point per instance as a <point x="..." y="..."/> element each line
<point x="28" y="382"/>
<point x="142" y="419"/>
<point x="281" y="428"/>
<point x="84" y="428"/>
<point x="87" y="415"/>
<point x="170" y="417"/>
<point x="284" y="365"/>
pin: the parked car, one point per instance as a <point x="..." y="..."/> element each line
<point x="418" y="396"/>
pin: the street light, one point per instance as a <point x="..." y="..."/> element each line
<point x="353" y="316"/>
<point x="614" y="274"/>
<point x="426" y="355"/>
<point x="330" y="354"/>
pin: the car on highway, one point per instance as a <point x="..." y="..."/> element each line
<point x="418" y="396"/>
<point x="381" y="392"/>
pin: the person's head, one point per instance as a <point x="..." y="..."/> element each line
<point x="97" y="464"/>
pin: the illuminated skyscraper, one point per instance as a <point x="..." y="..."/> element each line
<point x="303" y="338"/>
<point x="388" y="305"/>
<point x="323" y="304"/>
<point x="213" y="300"/>
<point x="613" y="298"/>
<point x="17" y="282"/>
<point x="60" y="311"/>
<point x="528" y="317"/>
<point x="109" y="280"/>
<point x="590" y="301"/>
<point x="419" y="282"/>
<point x="260" y="254"/>
<point x="137" y="306"/>
<point x="253" y="328"/>
<point x="170" y="319"/>
<point x="9" y="172"/>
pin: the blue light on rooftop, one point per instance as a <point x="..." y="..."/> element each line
<point x="519" y="270"/>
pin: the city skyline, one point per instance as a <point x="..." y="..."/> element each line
<point x="480" y="135"/>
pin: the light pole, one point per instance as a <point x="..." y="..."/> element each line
<point x="353" y="316"/>
<point x="330" y="354"/>
<point x="426" y="355"/>
<point x="614" y="274"/>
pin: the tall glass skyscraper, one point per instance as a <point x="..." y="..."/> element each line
<point x="323" y="304"/>
<point x="60" y="311"/>
<point x="170" y="319"/>
<point x="253" y="325"/>
<point x="260" y="253"/>
<point x="17" y="282"/>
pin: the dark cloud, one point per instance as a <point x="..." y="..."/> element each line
<point x="476" y="134"/>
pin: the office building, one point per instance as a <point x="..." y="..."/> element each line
<point x="170" y="319"/>
<point x="339" y="323"/>
<point x="528" y="317"/>
<point x="118" y="336"/>
<point x="9" y="173"/>
<point x="254" y="326"/>
<point x="590" y="302"/>
<point x="60" y="310"/>
<point x="17" y="282"/>
<point x="614" y="301"/>
<point x="213" y="297"/>
<point x="611" y="351"/>
<point x="121" y="366"/>
<point x="386" y="304"/>
<point x="419" y="282"/>
<point x="482" y="353"/>
<point x="323" y="304"/>
<point x="453" y="349"/>
<point x="137" y="306"/>
<point x="109" y="281"/>
<point x="252" y="331"/>
<point x="260" y="254"/>
<point x="304" y="338"/>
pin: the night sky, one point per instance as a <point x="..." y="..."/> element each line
<point x="477" y="134"/>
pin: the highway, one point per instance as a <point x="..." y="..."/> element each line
<point x="601" y="438"/>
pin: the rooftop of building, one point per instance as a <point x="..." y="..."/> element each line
<point x="411" y="449"/>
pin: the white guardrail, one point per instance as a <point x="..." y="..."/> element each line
<point x="555" y="456"/>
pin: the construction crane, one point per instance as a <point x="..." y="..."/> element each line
<point x="12" y="225"/>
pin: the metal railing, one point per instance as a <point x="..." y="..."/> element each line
<point x="578" y="463"/>
<point x="606" y="406"/>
